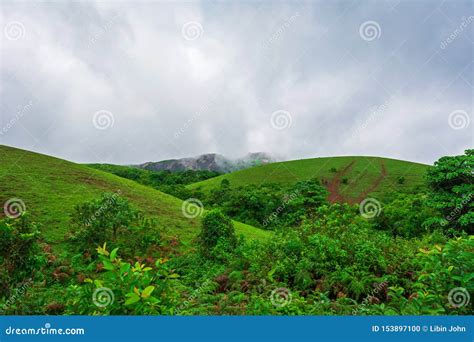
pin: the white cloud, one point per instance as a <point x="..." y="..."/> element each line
<point x="176" y="97"/>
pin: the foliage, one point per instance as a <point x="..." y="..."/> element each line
<point x="172" y="183"/>
<point x="217" y="234"/>
<point x="102" y="219"/>
<point x="125" y="288"/>
<point x="405" y="215"/>
<point x="451" y="181"/>
<point x="327" y="258"/>
<point x="19" y="251"/>
<point x="445" y="270"/>
<point x="268" y="205"/>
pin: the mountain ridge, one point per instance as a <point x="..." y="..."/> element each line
<point x="210" y="162"/>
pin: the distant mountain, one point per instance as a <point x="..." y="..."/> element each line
<point x="210" y="162"/>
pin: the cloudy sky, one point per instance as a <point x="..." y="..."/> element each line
<point x="129" y="82"/>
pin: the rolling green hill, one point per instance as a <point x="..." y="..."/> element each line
<point x="51" y="187"/>
<point x="348" y="178"/>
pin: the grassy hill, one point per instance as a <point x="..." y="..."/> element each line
<point x="348" y="178"/>
<point x="51" y="187"/>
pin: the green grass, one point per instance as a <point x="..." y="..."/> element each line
<point x="360" y="177"/>
<point x="51" y="187"/>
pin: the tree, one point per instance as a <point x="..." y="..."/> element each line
<point x="20" y="254"/>
<point x="452" y="189"/>
<point x="225" y="183"/>
<point x="217" y="231"/>
<point x="101" y="219"/>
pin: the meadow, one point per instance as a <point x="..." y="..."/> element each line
<point x="324" y="236"/>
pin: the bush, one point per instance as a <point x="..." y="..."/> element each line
<point x="125" y="288"/>
<point x="225" y="183"/>
<point x="452" y="187"/>
<point x="19" y="251"/>
<point x="101" y="219"/>
<point x="405" y="216"/>
<point x="217" y="234"/>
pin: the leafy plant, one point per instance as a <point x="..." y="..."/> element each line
<point x="101" y="219"/>
<point x="452" y="192"/>
<point x="217" y="234"/>
<point x="124" y="287"/>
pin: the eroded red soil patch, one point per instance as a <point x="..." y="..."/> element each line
<point x="334" y="184"/>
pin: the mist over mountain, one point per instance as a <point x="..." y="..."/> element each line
<point x="210" y="162"/>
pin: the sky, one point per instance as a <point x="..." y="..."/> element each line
<point x="135" y="81"/>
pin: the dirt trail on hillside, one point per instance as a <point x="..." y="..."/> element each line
<point x="334" y="184"/>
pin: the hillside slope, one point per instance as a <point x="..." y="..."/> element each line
<point x="348" y="179"/>
<point x="51" y="187"/>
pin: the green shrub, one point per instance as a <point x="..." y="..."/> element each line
<point x="19" y="251"/>
<point x="217" y="234"/>
<point x="452" y="192"/>
<point x="101" y="219"/>
<point x="405" y="215"/>
<point x="125" y="288"/>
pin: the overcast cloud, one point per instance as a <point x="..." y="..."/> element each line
<point x="129" y="82"/>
